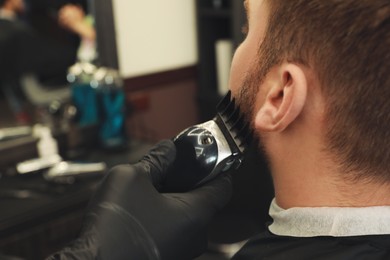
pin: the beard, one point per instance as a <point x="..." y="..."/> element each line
<point x="246" y="100"/>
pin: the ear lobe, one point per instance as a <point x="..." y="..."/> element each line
<point x="284" y="100"/>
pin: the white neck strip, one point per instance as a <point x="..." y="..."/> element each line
<point x="329" y="221"/>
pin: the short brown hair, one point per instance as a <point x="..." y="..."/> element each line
<point x="347" y="43"/>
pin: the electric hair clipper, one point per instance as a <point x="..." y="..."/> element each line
<point x="210" y="148"/>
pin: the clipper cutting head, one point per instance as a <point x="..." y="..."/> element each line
<point x="233" y="124"/>
<point x="205" y="150"/>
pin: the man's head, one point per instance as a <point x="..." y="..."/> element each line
<point x="15" y="6"/>
<point x="341" y="45"/>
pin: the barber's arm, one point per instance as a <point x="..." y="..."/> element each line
<point x="72" y="17"/>
<point x="130" y="219"/>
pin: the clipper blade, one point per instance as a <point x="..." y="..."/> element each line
<point x="205" y="150"/>
<point x="233" y="124"/>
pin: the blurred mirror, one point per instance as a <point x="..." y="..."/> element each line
<point x="39" y="41"/>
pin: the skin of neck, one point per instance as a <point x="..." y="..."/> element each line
<point x="304" y="173"/>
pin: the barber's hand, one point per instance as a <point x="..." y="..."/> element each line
<point x="130" y="219"/>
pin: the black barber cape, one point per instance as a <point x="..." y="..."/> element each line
<point x="272" y="247"/>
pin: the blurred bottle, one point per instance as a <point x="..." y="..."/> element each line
<point x="111" y="101"/>
<point x="84" y="95"/>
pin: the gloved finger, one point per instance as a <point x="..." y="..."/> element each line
<point x="121" y="183"/>
<point x="157" y="161"/>
<point x="209" y="198"/>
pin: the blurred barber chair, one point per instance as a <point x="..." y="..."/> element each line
<point x="42" y="95"/>
<point x="49" y="101"/>
<point x="14" y="100"/>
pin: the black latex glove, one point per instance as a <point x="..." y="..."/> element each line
<point x="130" y="219"/>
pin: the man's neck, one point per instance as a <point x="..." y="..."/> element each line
<point x="311" y="180"/>
<point x="304" y="175"/>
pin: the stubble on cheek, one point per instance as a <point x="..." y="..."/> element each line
<point x="245" y="99"/>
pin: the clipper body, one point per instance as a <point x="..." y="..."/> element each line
<point x="208" y="149"/>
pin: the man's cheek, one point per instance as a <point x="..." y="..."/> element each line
<point x="237" y="73"/>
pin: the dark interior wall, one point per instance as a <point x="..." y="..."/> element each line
<point x="102" y="11"/>
<point x="168" y="109"/>
<point x="162" y="104"/>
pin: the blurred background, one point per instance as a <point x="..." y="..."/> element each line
<point x="97" y="83"/>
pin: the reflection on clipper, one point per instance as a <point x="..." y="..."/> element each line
<point x="207" y="149"/>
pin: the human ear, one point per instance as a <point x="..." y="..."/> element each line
<point x="284" y="99"/>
